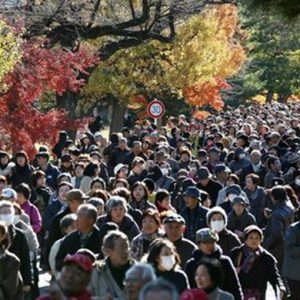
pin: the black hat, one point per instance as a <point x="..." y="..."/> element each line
<point x="42" y="154"/>
<point x="175" y="218"/>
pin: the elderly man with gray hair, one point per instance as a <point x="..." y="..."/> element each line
<point x="116" y="212"/>
<point x="87" y="235"/>
<point x="136" y="278"/>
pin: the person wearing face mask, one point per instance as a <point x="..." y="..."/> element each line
<point x="10" y="279"/>
<point x="217" y="221"/>
<point x="18" y="245"/>
<point x="165" y="181"/>
<point x="165" y="261"/>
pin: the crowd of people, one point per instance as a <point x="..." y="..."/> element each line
<point x="196" y="209"/>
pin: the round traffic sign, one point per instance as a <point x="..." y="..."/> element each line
<point x="156" y="109"/>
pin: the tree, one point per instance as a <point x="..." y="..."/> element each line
<point x="273" y="62"/>
<point x="204" y="53"/>
<point x="39" y="70"/>
<point x="10" y="52"/>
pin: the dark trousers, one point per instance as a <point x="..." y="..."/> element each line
<point x="294" y="286"/>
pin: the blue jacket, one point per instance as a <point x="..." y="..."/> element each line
<point x="195" y="219"/>
<point x="291" y="263"/>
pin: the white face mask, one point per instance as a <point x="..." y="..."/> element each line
<point x="231" y="197"/>
<point x="165" y="171"/>
<point x="297" y="182"/>
<point x="8" y="219"/>
<point x="218" y="225"/>
<point x="16" y="219"/>
<point x="167" y="262"/>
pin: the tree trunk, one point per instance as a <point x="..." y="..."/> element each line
<point x="68" y="101"/>
<point x="269" y="97"/>
<point x="117" y="119"/>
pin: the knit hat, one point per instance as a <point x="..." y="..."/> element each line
<point x="252" y="228"/>
<point x="206" y="235"/>
<point x="118" y="168"/>
<point x="216" y="210"/>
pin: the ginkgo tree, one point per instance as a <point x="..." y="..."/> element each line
<point x="204" y="53"/>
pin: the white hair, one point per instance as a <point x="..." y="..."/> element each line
<point x="147" y="271"/>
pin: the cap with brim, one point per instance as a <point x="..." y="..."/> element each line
<point x="252" y="228"/>
<point x="233" y="189"/>
<point x="66" y="157"/>
<point x="174" y="219"/>
<point x="83" y="261"/>
<point x="222" y="168"/>
<point x="119" y="167"/>
<point x="203" y="173"/>
<point x="9" y="193"/>
<point x="193" y="192"/>
<point x="206" y="235"/>
<point x="42" y="154"/>
<point x="239" y="200"/>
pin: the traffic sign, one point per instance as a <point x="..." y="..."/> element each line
<point x="155" y="109"/>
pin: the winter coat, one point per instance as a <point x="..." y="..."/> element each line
<point x="142" y="205"/>
<point x="218" y="294"/>
<point x="282" y="216"/>
<point x="85" y="184"/>
<point x="239" y="223"/>
<point x="185" y="249"/>
<point x="52" y="173"/>
<point x="195" y="219"/>
<point x="40" y="198"/>
<point x="256" y="200"/>
<point x="264" y="270"/>
<point x="72" y="243"/>
<point x="127" y="226"/>
<point x="19" y="247"/>
<point x="103" y="283"/>
<point x="10" y="277"/>
<point x="231" y="282"/>
<point x="21" y="175"/>
<point x="176" y="277"/>
<point x="34" y="215"/>
<point x="212" y="188"/>
<point x="227" y="241"/>
<point x="291" y="263"/>
<point x="51" y="211"/>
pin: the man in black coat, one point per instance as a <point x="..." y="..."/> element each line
<point x="206" y="240"/>
<point x="86" y="236"/>
<point x="74" y="199"/>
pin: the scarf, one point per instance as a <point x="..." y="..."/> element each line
<point x="250" y="257"/>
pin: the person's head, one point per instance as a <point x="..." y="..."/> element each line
<point x="7" y="212"/>
<point x="91" y="170"/>
<point x="38" y="179"/>
<point x="216" y="219"/>
<point x="139" y="191"/>
<point x="121" y="183"/>
<point x="98" y="184"/>
<point x="138" y="165"/>
<point x="192" y="197"/>
<point x="174" y="226"/>
<point x="222" y="172"/>
<point x="163" y="255"/>
<point x="136" y="278"/>
<point x="233" y="191"/>
<point x="4" y="158"/>
<point x="204" y="176"/>
<point x="207" y="239"/>
<point x="23" y="193"/>
<point x="75" y="275"/>
<point x="86" y="218"/>
<point x="79" y="169"/>
<point x="162" y="199"/>
<point x="21" y="158"/>
<point x="185" y="155"/>
<point x="99" y="204"/>
<point x="75" y="198"/>
<point x="9" y="194"/>
<point x="239" y="204"/>
<point x="253" y="237"/>
<point x="121" y="171"/>
<point x="255" y="157"/>
<point x="116" y="208"/>
<point x="136" y="147"/>
<point x="252" y="181"/>
<point x="116" y="248"/>
<point x="274" y="163"/>
<point x="209" y="274"/>
<point x="278" y="194"/>
<point x="42" y="158"/>
<point x="68" y="224"/>
<point x="62" y="190"/>
<point x="150" y="221"/>
<point x="158" y="289"/>
<point x="123" y="143"/>
<point x="4" y="236"/>
<point x="232" y="179"/>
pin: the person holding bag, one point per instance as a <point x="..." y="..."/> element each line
<point x="256" y="267"/>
